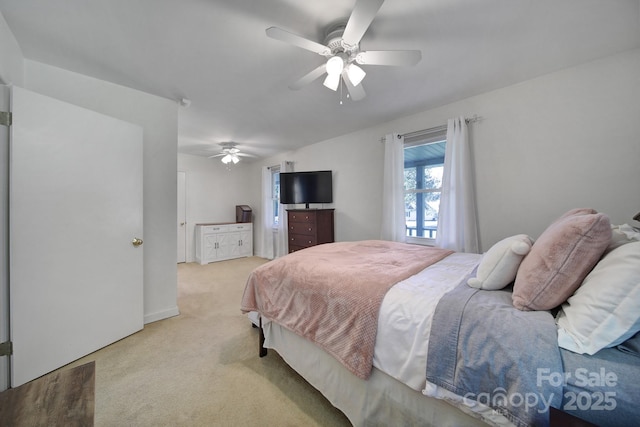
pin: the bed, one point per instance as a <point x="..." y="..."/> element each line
<point x="402" y="334"/>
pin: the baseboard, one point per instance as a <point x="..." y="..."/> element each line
<point x="159" y="315"/>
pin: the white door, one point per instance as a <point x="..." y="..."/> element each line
<point x="4" y="238"/>
<point x="182" y="217"/>
<point x="75" y="208"/>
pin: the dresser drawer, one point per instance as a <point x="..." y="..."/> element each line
<point x="303" y="217"/>
<point x="240" y="227"/>
<point x="302" y="240"/>
<point x="215" y="228"/>
<point x="306" y="228"/>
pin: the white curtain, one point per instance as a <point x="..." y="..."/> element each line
<point x="267" y="214"/>
<point x="393" y="223"/>
<point x="274" y="238"/>
<point x="457" y="225"/>
<point x="281" y="246"/>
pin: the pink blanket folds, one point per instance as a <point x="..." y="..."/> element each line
<point x="331" y="294"/>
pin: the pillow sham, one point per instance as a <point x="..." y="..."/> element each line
<point x="605" y="310"/>
<point x="499" y="265"/>
<point x="560" y="259"/>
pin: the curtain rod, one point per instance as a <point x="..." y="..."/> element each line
<point x="419" y="133"/>
<point x="473" y="119"/>
<point x="425" y="132"/>
<point x="289" y="162"/>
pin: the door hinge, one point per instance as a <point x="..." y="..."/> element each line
<point x="6" y="348"/>
<point x="6" y="118"/>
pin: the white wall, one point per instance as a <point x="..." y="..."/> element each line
<point x="213" y="190"/>
<point x="11" y="59"/>
<point x="564" y="140"/>
<point x="356" y="161"/>
<point x="159" y="120"/>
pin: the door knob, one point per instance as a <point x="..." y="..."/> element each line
<point x="136" y="242"/>
<point x="182" y="223"/>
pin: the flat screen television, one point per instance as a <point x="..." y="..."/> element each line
<point x="306" y="187"/>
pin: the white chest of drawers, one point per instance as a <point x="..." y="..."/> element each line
<point x="217" y="242"/>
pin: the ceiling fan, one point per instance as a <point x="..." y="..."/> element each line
<point x="230" y="153"/>
<point x="342" y="49"/>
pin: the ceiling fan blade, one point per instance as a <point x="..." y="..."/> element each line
<point x="296" y="40"/>
<point x="389" y="57"/>
<point x="355" y="92"/>
<point x="308" y="78"/>
<point x="360" y="19"/>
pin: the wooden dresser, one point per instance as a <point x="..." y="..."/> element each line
<point x="309" y="227"/>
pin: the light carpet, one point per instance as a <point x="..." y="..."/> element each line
<point x="201" y="368"/>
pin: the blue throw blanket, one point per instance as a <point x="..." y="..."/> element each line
<point x="485" y="350"/>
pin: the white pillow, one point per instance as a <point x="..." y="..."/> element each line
<point x="621" y="235"/>
<point x="500" y="264"/>
<point x="605" y="310"/>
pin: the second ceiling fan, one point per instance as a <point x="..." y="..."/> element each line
<point x="342" y="49"/>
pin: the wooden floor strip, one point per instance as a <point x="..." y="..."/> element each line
<point x="64" y="398"/>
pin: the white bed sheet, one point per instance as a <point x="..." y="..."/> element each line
<point x="380" y="401"/>
<point x="404" y="322"/>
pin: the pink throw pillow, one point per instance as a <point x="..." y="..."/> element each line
<point x="560" y="259"/>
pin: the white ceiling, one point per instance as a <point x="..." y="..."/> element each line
<point x="216" y="54"/>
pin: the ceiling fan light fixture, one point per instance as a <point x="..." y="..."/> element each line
<point x="356" y="74"/>
<point x="332" y="81"/>
<point x="335" y="65"/>
<point x="230" y="153"/>
<point x="230" y="158"/>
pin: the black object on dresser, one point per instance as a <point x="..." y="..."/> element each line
<point x="309" y="227"/>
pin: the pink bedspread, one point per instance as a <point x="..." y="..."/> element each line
<point x="331" y="294"/>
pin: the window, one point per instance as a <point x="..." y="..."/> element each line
<point x="423" y="166"/>
<point x="275" y="194"/>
